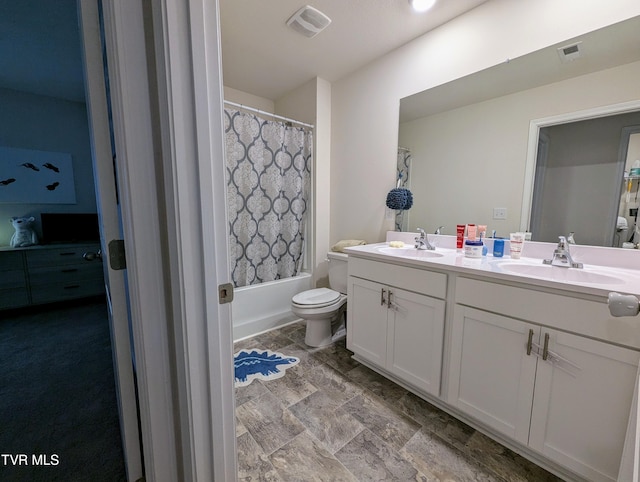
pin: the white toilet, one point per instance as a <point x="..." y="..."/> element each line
<point x="323" y="307"/>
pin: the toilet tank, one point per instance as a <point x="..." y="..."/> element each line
<point x="338" y="271"/>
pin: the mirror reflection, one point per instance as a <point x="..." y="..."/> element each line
<point x="474" y="144"/>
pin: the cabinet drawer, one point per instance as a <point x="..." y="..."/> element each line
<point x="59" y="256"/>
<point x="13" y="298"/>
<point x="10" y="260"/>
<point x="65" y="274"/>
<point x="12" y="279"/>
<point x="67" y="291"/>
<point x="564" y="312"/>
<point x="411" y="279"/>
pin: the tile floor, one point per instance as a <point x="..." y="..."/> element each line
<point x="331" y="418"/>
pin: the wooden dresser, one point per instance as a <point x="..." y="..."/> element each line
<point x="45" y="274"/>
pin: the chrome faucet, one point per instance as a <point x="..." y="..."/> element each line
<point x="562" y="256"/>
<point x="422" y="241"/>
<point x="439" y="230"/>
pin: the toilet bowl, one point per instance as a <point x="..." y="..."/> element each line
<point x="322" y="308"/>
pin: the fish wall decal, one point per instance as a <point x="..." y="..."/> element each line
<point x="48" y="165"/>
<point x="28" y="165"/>
<point x="52" y="187"/>
<point x="6" y="182"/>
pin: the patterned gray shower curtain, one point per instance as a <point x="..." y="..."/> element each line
<point x="268" y="182"/>
<point x="402" y="173"/>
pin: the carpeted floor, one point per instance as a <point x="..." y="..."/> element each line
<point x="57" y="395"/>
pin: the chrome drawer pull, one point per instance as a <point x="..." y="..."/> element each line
<point x="382" y="300"/>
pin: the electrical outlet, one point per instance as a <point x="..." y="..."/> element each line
<point x="499" y="213"/>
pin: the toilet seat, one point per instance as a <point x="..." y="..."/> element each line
<point x="316" y="298"/>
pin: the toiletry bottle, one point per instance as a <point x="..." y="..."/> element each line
<point x="482" y="231"/>
<point x="460" y="236"/>
<point x="498" y="247"/>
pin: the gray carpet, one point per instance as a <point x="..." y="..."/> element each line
<point x="57" y="395"/>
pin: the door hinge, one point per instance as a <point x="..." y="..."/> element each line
<point x="117" y="258"/>
<point x="225" y="293"/>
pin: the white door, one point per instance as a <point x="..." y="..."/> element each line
<point x="414" y="339"/>
<point x="581" y="404"/>
<point x="110" y="230"/>
<point x="491" y="375"/>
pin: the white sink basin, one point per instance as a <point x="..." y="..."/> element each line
<point x="556" y="273"/>
<point x="409" y="252"/>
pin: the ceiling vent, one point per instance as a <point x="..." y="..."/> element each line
<point x="308" y="21"/>
<point x="569" y="53"/>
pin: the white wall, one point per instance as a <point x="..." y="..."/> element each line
<point x="43" y="123"/>
<point x="478" y="151"/>
<point x="249" y="100"/>
<point x="365" y="104"/>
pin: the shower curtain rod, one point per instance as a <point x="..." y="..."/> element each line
<point x="275" y="116"/>
<point x="400" y="148"/>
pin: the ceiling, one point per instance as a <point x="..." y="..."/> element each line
<point x="264" y="57"/>
<point x="40" y="46"/>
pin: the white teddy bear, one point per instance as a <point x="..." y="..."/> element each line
<point x="24" y="235"/>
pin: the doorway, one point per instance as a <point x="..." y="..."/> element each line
<point x="44" y="109"/>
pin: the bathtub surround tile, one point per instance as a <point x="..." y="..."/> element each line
<point x="356" y="425"/>
<point x="373" y="459"/>
<point x="253" y="464"/>
<point x="304" y="458"/>
<point x="269" y="422"/>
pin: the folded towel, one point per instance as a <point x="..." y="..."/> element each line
<point x="346" y="243"/>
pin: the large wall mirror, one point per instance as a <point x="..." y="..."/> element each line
<point x="474" y="143"/>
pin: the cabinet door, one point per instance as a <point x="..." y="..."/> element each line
<point x="414" y="339"/>
<point x="580" y="412"/>
<point x="491" y="375"/>
<point x="367" y="320"/>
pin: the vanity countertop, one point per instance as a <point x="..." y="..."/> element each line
<point x="595" y="279"/>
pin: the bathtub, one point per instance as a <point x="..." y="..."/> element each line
<point x="262" y="307"/>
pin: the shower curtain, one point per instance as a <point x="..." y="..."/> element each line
<point x="268" y="181"/>
<point x="402" y="173"/>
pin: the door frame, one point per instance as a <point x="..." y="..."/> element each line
<point x="166" y="87"/>
<point x="534" y="130"/>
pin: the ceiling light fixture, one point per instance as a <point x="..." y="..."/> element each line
<point x="421" y="5"/>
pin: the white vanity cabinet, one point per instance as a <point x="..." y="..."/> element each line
<point x="573" y="406"/>
<point x="397" y="324"/>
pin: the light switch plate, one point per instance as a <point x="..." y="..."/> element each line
<point x="499" y="213"/>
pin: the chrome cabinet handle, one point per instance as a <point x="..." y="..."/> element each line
<point x="530" y="342"/>
<point x="545" y="349"/>
<point x="382" y="300"/>
<point x="390" y="303"/>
